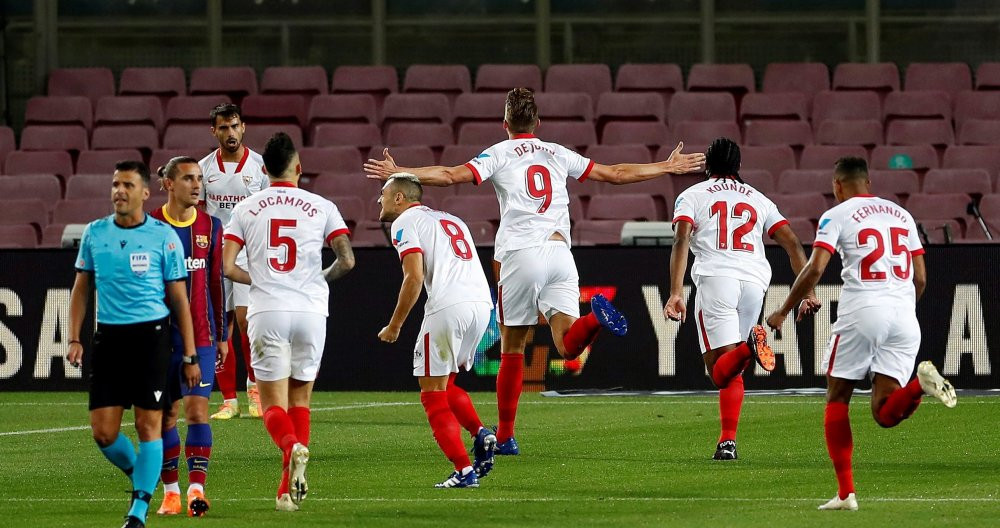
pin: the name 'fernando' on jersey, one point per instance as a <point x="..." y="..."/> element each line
<point x="452" y="271"/>
<point x="877" y="240"/>
<point x="529" y="177"/>
<point x="729" y="219"/>
<point x="284" y="229"/>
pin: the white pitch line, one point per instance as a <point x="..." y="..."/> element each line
<point x="538" y="499"/>
<point x="45" y="431"/>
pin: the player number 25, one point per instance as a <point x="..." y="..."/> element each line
<point x="740" y="211"/>
<point x="277" y="240"/>
<point x="868" y="237"/>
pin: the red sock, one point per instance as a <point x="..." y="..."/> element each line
<point x="280" y="427"/>
<point x="900" y="404"/>
<point x="730" y="403"/>
<point x="840" y="445"/>
<point x="445" y="427"/>
<point x="197" y="459"/>
<point x="245" y="347"/>
<point x="461" y="406"/>
<point x="730" y="365"/>
<point x="225" y="375"/>
<point x="171" y="457"/>
<point x="283" y="485"/>
<point x="508" y="392"/>
<point x="580" y="335"/>
<point x="300" y="420"/>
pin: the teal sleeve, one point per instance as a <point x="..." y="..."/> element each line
<point x="173" y="258"/>
<point x="84" y="257"/>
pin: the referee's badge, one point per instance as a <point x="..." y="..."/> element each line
<point x="139" y="263"/>
<point x="201" y="240"/>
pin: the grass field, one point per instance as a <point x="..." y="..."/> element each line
<point x="638" y="461"/>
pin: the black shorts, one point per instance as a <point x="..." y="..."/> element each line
<point x="129" y="365"/>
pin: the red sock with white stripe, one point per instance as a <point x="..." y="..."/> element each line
<point x="509" y="381"/>
<point x="461" y="406"/>
<point x="225" y="375"/>
<point x="445" y="428"/>
<point x="900" y="404"/>
<point x="840" y="445"/>
<point x="580" y="335"/>
<point x="730" y="365"/>
<point x="730" y="404"/>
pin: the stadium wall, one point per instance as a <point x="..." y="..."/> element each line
<point x="959" y="315"/>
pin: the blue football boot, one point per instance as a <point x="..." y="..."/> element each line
<point x="458" y="480"/>
<point x="483" y="448"/>
<point x="608" y="315"/>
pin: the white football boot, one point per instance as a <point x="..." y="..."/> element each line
<point x="284" y="503"/>
<point x="935" y="385"/>
<point x="836" y="503"/>
<point x="297" y="473"/>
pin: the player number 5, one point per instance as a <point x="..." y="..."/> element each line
<point x="276" y="240"/>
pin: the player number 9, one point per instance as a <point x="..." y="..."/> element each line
<point x="539" y="183"/>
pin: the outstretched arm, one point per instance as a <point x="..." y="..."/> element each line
<point x="675" y="308"/>
<point x="797" y="258"/>
<point x="622" y="173"/>
<point x="804" y="283"/>
<point x="409" y="291"/>
<point x="438" y="175"/>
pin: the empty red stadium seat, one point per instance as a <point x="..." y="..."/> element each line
<point x="160" y="157"/>
<point x="629" y="107"/>
<point x="916" y="157"/>
<point x="454" y="155"/>
<point x="898" y="184"/>
<point x="949" y="77"/>
<point x="44" y="137"/>
<point x="237" y="82"/>
<point x="340" y="159"/>
<point x="804" y="77"/>
<point x="18" y="236"/>
<point x="7" y="144"/>
<point x="347" y="184"/>
<point x="92" y="83"/>
<point x="89" y="187"/>
<point x="28" y="211"/>
<point x="256" y="136"/>
<point x="989" y="207"/>
<point x="505" y="77"/>
<point x="450" y="79"/>
<point x="142" y="137"/>
<point x="377" y="81"/>
<point x="758" y="179"/>
<point x="341" y="108"/>
<point x="621" y="207"/>
<point x="917" y="105"/>
<point x="882" y="77"/>
<point x="614" y="154"/>
<point x="134" y="110"/>
<point x="651" y="134"/>
<point x="973" y="157"/>
<point x="571" y="135"/>
<point x="772" y="158"/>
<point x="970" y="181"/>
<point x="481" y="134"/>
<point x="572" y="106"/>
<point x="429" y="134"/>
<point x="937" y="132"/>
<point x="20" y="162"/>
<point x="803" y="205"/>
<point x="369" y="233"/>
<point x="952" y="206"/>
<point x="593" y="79"/>
<point x="194" y="109"/>
<point x="598" y="232"/>
<point x="936" y="229"/>
<point x="736" y="79"/>
<point x="705" y="132"/>
<point x="162" y="83"/>
<point x="274" y="109"/>
<point x="846" y="105"/>
<point x="979" y="132"/>
<point x="803" y="228"/>
<point x="45" y="187"/>
<point x="360" y="135"/>
<point x="420" y="108"/>
<point x="66" y="110"/>
<point x="472" y="208"/>
<point x="867" y="133"/>
<point x="351" y="208"/>
<point x="81" y="211"/>
<point x="188" y="136"/>
<point x="660" y="190"/>
<point x="483" y="233"/>
<point x="52" y="236"/>
<point x="478" y="107"/>
<point x="103" y="161"/>
<point x="663" y="79"/>
<point x="407" y="155"/>
<point x="774" y="106"/>
<point x="824" y="156"/>
<point x="988" y="76"/>
<point x="977" y="105"/>
<point x="306" y="81"/>
<point x="767" y="132"/>
<point x="798" y="181"/>
<point x="701" y="107"/>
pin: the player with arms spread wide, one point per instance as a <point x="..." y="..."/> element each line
<point x="537" y="270"/>
<point x="723" y="221"/>
<point x="876" y="332"/>
<point x="284" y="229"/>
<point x="437" y="251"/>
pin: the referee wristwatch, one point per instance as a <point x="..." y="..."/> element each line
<point x="190" y="360"/>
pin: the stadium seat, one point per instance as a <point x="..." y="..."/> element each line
<point x="705" y="132"/>
<point x="988" y="76"/>
<point x="351" y="208"/>
<point x="44" y="137"/>
<point x="575" y="136"/>
<point x="799" y="181"/>
<point x="774" y="106"/>
<point x="52" y="236"/>
<point x="481" y="135"/>
<point x="45" y="187"/>
<point x="736" y="79"/>
<point x="846" y="105"/>
<point x="772" y="158"/>
<point x="979" y="132"/>
<point x="598" y="232"/>
<point x="377" y="81"/>
<point x="629" y="107"/>
<point x="90" y="187"/>
<point x="807" y="78"/>
<point x="341" y="108"/>
<point x="937" y="132"/>
<point x="142" y="137"/>
<point x="934" y="228"/>
<point x="418" y="108"/>
<point x="571" y="106"/>
<point x="882" y="77"/>
<point x="653" y="135"/>
<point x="307" y="81"/>
<point x="824" y="156"/>
<point x="407" y="155"/>
<point x="67" y="110"/>
<point x="622" y="207"/>
<point x="803" y="228"/>
<point x="197" y="138"/>
<point x="18" y="236"/>
<point x="793" y="133"/>
<point x="287" y="109"/>
<point x="369" y="233"/>
<point x="758" y="179"/>
<point x="256" y="136"/>
<point x="687" y="106"/>
<point x="103" y="161"/>
<point x="7" y="143"/>
<point x="81" y="211"/>
<point x="360" y="135"/>
<point x="953" y="206"/>
<point x="133" y="110"/>
<point x="663" y="79"/>
<point x="236" y="82"/>
<point x="917" y="105"/>
<point x="592" y="79"/>
<point x="28" y="211"/>
<point x="340" y="159"/>
<point x="20" y="162"/>
<point x="975" y="182"/>
<point x="949" y="77"/>
<point x="347" y="184"/>
<point x="898" y="184"/>
<point x="429" y="134"/>
<point x="660" y="190"/>
<point x="194" y="109"/>
<point x="866" y="133"/>
<point x="973" y="157"/>
<point x="92" y="83"/>
<point x="916" y="157"/>
<point x="448" y="79"/>
<point x="614" y="154"/>
<point x="478" y="108"/>
<point x="160" y="157"/>
<point x="803" y="205"/>
<point x="473" y="208"/>
<point x="454" y="155"/>
<point x="505" y="77"/>
<point x="989" y="207"/>
<point x="162" y="83"/>
<point x="977" y="105"/>
<point x="483" y="233"/>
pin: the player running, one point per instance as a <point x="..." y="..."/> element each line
<point x="284" y="229"/>
<point x="537" y="270"/>
<point x="201" y="238"/>
<point x="876" y="331"/>
<point x="232" y="173"/>
<point x="723" y="221"/>
<point x="436" y="250"/>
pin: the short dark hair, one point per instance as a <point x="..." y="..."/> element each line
<point x="723" y="159"/>
<point x="520" y="110"/>
<point x="407" y="184"/>
<point x="134" y="166"/>
<point x="227" y="111"/>
<point x="278" y="154"/>
<point x="850" y="169"/>
<point x="169" y="170"/>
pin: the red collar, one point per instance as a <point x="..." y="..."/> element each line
<point x="523" y="136"/>
<point x="863" y="196"/>
<point x="239" y="166"/>
<point x="283" y="184"/>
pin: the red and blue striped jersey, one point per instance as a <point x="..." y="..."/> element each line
<point x="201" y="237"/>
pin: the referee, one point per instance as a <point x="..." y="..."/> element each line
<point x="135" y="262"/>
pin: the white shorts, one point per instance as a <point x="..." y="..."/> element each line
<point x="236" y="294"/>
<point x="725" y="309"/>
<point x="286" y="344"/>
<point x="877" y="339"/>
<point x="538" y="279"/>
<point x="449" y="337"/>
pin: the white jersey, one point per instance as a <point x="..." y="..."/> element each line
<point x="729" y="220"/>
<point x="877" y="240"/>
<point x="284" y="229"/>
<point x="529" y="176"/>
<point x="227" y="184"/>
<point x="452" y="271"/>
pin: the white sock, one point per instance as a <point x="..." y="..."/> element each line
<point x="251" y="384"/>
<point x="234" y="401"/>
<point x="466" y="470"/>
<point x="173" y="487"/>
<point x="195" y="487"/>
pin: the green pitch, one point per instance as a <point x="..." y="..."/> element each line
<point x="585" y="462"/>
